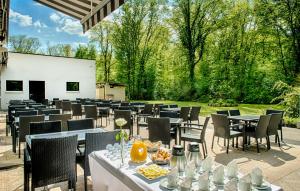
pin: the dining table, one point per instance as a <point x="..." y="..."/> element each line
<point x="247" y="119"/>
<point x="109" y="175"/>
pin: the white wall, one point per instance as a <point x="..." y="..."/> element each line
<point x="55" y="71"/>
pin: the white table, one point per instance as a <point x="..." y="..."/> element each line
<point x="107" y="176"/>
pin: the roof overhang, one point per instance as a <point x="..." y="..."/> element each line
<point x="4" y="13"/>
<point x="89" y="12"/>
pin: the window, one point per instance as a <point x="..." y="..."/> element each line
<point x="72" y="86"/>
<point x="13" y="85"/>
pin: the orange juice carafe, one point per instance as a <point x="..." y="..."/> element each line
<point x="138" y="152"/>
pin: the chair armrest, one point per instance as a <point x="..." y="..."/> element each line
<point x="194" y="128"/>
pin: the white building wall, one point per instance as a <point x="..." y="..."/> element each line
<point x="55" y="71"/>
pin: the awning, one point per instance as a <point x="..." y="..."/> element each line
<point x="89" y="12"/>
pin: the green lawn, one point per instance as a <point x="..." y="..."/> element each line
<point x="206" y="110"/>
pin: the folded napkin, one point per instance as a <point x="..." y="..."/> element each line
<point x="190" y="169"/>
<point x="232" y="169"/>
<point x="256" y="177"/>
<point x="207" y="164"/>
<point x="172" y="177"/>
<point x="231" y="185"/>
<point x="245" y="183"/>
<point x="218" y="174"/>
<point x="186" y="184"/>
<point x="203" y="181"/>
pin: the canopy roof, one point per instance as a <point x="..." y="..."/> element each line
<point x="89" y="12"/>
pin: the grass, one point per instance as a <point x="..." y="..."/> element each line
<point x="252" y="109"/>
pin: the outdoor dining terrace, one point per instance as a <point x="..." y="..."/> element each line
<point x="61" y="144"/>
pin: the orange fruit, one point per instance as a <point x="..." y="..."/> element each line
<point x="138" y="152"/>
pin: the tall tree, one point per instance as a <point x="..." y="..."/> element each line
<point x="101" y="34"/>
<point x="24" y="44"/>
<point x="134" y="35"/>
<point x="59" y="50"/>
<point x="194" y="21"/>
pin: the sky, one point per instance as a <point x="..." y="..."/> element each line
<point x="32" y="19"/>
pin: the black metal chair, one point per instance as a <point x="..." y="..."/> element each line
<point x="44" y="127"/>
<point x="272" y="111"/>
<point x="51" y="161"/>
<point x="94" y="142"/>
<point x="126" y="114"/>
<point x="61" y="117"/>
<point x="195" y="136"/>
<point x="80" y="124"/>
<point x="222" y="130"/>
<point x="159" y="130"/>
<point x="260" y="130"/>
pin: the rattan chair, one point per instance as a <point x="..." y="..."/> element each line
<point x="61" y="117"/>
<point x="260" y="130"/>
<point x="24" y="130"/>
<point x="271" y="111"/>
<point x="222" y="130"/>
<point x="195" y="136"/>
<point x="223" y="112"/>
<point x="234" y="112"/>
<point x="194" y="115"/>
<point x="126" y="114"/>
<point x="94" y="142"/>
<point x="275" y="121"/>
<point x="49" y="111"/>
<point x="184" y="114"/>
<point x="91" y="112"/>
<point x="80" y="124"/>
<point x="26" y="113"/>
<point x="76" y="110"/>
<point x="173" y="106"/>
<point x="51" y="161"/>
<point x="66" y="106"/>
<point x="45" y="127"/>
<point x="159" y="129"/>
<point x="58" y="104"/>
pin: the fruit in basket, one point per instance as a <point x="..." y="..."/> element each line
<point x="138" y="152"/>
<point x="162" y="156"/>
<point x="152" y="146"/>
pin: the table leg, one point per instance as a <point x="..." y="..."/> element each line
<point x="14" y="138"/>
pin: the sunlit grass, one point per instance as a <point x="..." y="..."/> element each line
<point x="253" y="109"/>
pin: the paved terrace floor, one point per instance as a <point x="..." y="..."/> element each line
<point x="281" y="166"/>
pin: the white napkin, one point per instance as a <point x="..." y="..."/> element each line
<point x="207" y="164"/>
<point x="231" y="185"/>
<point x="218" y="174"/>
<point x="190" y="169"/>
<point x="256" y="177"/>
<point x="232" y="169"/>
<point x="245" y="183"/>
<point x="172" y="177"/>
<point x="203" y="181"/>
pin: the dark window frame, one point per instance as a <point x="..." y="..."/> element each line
<point x="70" y="85"/>
<point x="10" y="87"/>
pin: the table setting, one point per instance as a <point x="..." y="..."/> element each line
<point x="169" y="170"/>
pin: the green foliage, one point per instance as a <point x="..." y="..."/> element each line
<point x="24" y="44"/>
<point x="86" y="52"/>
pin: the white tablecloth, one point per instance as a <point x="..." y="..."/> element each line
<point x="107" y="176"/>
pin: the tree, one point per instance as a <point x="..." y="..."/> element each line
<point x="101" y="34"/>
<point x="134" y="36"/>
<point x="59" y="50"/>
<point x="194" y="20"/>
<point x="86" y="52"/>
<point x="24" y="44"/>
